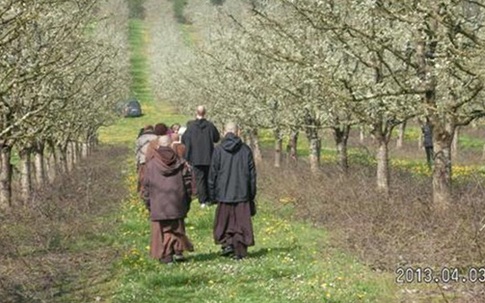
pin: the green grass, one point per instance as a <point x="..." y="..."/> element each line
<point x="468" y="142"/>
<point x="291" y="262"/>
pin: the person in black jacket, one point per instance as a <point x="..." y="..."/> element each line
<point x="428" y="141"/>
<point x="232" y="184"/>
<point x="199" y="139"/>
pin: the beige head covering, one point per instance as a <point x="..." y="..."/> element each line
<point x="164" y="140"/>
<point x="182" y="130"/>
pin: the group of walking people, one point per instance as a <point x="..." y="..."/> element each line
<point x="177" y="163"/>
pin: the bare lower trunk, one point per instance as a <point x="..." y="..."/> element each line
<point x="278" y="146"/>
<point x="94" y="145"/>
<point x="25" y="176"/>
<point x="78" y="151"/>
<point x="75" y="153"/>
<point x="343" y="161"/>
<point x="70" y="156"/>
<point x="92" y="142"/>
<point x="84" y="150"/>
<point x="400" y="135"/>
<point x="292" y="147"/>
<point x="420" y="140"/>
<point x="52" y="165"/>
<point x="442" y="170"/>
<point x="5" y="177"/>
<point x="341" y="136"/>
<point x="315" y="151"/>
<point x="361" y="135"/>
<point x="39" y="165"/>
<point x="382" y="166"/>
<point x="454" y="144"/>
<point x="254" y="138"/>
<point x="61" y="160"/>
<point x="245" y="138"/>
<point x="90" y="147"/>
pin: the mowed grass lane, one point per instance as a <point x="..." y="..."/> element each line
<point x="291" y="262"/>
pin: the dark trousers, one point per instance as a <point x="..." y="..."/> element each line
<point x="201" y="173"/>
<point x="429" y="155"/>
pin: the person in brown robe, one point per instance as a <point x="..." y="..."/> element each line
<point x="160" y="130"/>
<point x="177" y="145"/>
<point x="232" y="185"/>
<point x="166" y="195"/>
<point x="180" y="148"/>
<point x="149" y="149"/>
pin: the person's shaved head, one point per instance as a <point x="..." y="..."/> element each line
<point x="231" y="127"/>
<point x="201" y="110"/>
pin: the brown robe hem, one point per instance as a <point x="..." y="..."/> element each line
<point x="168" y="238"/>
<point x="233" y="226"/>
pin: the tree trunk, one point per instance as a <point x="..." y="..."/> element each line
<point x="341" y="136"/>
<point x="454" y="144"/>
<point x="92" y="142"/>
<point x="315" y="150"/>
<point x="61" y="160"/>
<point x="420" y="140"/>
<point x="254" y="139"/>
<point x="84" y="150"/>
<point x="442" y="137"/>
<point x="25" y="175"/>
<point x="246" y="138"/>
<point x="5" y="177"/>
<point x="39" y="165"/>
<point x="400" y="135"/>
<point x="78" y="152"/>
<point x="382" y="165"/>
<point x="70" y="156"/>
<point x="361" y="135"/>
<point x="292" y="148"/>
<point x="278" y="146"/>
<point x="74" y="153"/>
<point x="52" y="163"/>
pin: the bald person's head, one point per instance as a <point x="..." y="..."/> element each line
<point x="231" y="127"/>
<point x="201" y="111"/>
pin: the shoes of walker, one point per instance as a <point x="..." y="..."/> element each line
<point x="179" y="258"/>
<point x="173" y="259"/>
<point x="227" y="251"/>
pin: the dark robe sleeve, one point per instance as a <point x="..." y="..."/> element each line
<point x="186" y="142"/>
<point x="145" y="192"/>
<point x="215" y="134"/>
<point x="187" y="176"/>
<point x="213" y="170"/>
<point x="252" y="176"/>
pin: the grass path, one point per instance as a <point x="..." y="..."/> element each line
<point x="291" y="262"/>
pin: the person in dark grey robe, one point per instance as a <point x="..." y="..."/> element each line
<point x="232" y="185"/>
<point x="199" y="140"/>
<point x="428" y="142"/>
